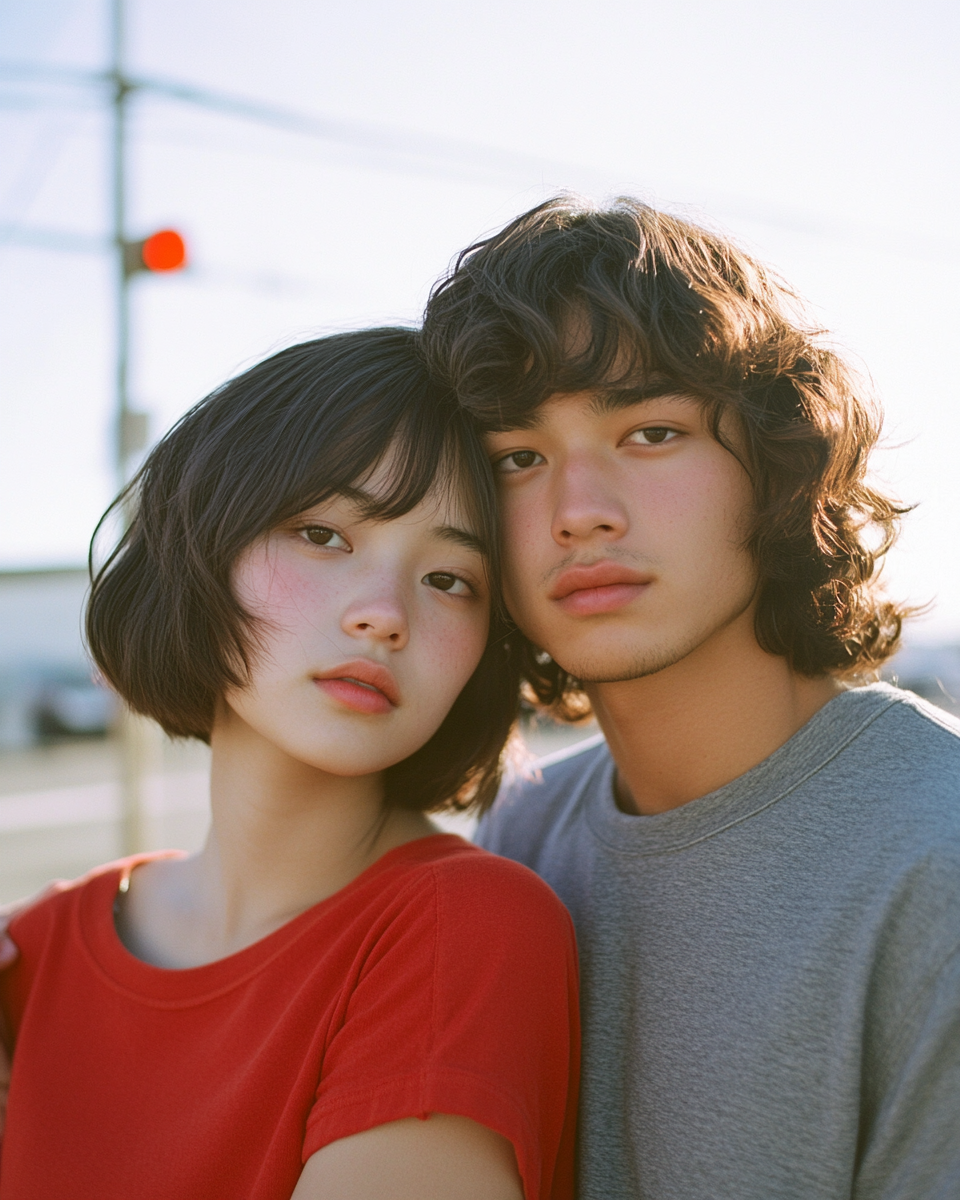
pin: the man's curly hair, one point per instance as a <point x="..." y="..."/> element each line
<point x="661" y="305"/>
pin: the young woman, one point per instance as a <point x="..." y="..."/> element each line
<point x="331" y="999"/>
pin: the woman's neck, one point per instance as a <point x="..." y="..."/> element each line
<point x="283" y="837"/>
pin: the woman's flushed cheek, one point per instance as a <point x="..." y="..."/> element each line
<point x="273" y="585"/>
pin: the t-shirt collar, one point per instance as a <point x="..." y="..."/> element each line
<point x="825" y="735"/>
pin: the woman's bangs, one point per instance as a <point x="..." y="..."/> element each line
<point x="387" y="452"/>
<point x="419" y="464"/>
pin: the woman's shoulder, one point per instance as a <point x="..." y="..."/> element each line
<point x="453" y="862"/>
<point x="472" y="887"/>
<point x="480" y="868"/>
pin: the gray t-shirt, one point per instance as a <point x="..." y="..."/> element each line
<point x="771" y="973"/>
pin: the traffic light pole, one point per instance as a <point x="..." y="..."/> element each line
<point x="121" y="92"/>
<point x="137" y="736"/>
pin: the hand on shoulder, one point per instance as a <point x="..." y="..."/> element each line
<point x="9" y="953"/>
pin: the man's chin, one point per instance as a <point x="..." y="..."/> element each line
<point x="613" y="656"/>
<point x="596" y="670"/>
<point x="623" y="664"/>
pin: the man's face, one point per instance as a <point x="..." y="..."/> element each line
<point x="624" y="533"/>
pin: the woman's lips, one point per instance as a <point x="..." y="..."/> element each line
<point x="357" y="696"/>
<point x="601" y="588"/>
<point x="365" y="687"/>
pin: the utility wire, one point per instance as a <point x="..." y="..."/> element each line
<point x="54" y="239"/>
<point x="427" y="154"/>
<point x="423" y="154"/>
<point x="276" y="283"/>
<point x="454" y="158"/>
<point x="44" y="73"/>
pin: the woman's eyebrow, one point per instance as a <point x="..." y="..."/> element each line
<point x="447" y="533"/>
<point x="462" y="537"/>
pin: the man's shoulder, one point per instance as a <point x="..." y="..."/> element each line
<point x="933" y="722"/>
<point x="546" y="795"/>
<point x="554" y="771"/>
<point x="911" y="752"/>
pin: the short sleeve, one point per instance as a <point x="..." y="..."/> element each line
<point x="911" y="1144"/>
<point x="464" y="1001"/>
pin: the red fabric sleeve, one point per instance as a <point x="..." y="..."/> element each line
<point x="464" y="1002"/>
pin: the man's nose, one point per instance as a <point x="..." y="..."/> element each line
<point x="380" y="614"/>
<point x="587" y="506"/>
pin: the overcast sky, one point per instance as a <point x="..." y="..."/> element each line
<point x="822" y="135"/>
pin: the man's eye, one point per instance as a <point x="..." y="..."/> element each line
<point x="443" y="581"/>
<point x="519" y="460"/>
<point x="653" y="435"/>
<point x="320" y="535"/>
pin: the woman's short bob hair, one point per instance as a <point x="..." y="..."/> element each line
<point x="570" y="296"/>
<point x="163" y="623"/>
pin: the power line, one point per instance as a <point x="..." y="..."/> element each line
<point x="453" y="158"/>
<point x="212" y="275"/>
<point x="44" y="73"/>
<point x="427" y="154"/>
<point x="63" y="240"/>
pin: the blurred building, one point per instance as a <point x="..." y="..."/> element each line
<point x="46" y="684"/>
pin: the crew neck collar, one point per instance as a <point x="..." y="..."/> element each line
<point x="163" y="987"/>
<point x="829" y="731"/>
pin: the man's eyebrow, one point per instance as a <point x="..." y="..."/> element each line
<point x="606" y="400"/>
<point x="609" y="400"/>
<point x="461" y="537"/>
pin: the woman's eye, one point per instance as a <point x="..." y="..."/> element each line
<point x="519" y="460"/>
<point x="320" y="535"/>
<point x="653" y="435"/>
<point x="443" y="581"/>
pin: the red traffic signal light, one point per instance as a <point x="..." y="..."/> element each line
<point x="164" y="250"/>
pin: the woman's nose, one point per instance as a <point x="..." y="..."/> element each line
<point x="382" y="617"/>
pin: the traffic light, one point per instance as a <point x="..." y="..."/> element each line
<point x="164" y="250"/>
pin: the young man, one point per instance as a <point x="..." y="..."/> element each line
<point x="762" y="857"/>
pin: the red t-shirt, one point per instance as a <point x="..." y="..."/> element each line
<point x="442" y="979"/>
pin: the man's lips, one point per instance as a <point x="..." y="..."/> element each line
<point x="603" y="587"/>
<point x="362" y="685"/>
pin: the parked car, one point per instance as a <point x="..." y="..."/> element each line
<point x="47" y="704"/>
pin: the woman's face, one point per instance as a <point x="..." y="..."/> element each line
<point x="367" y="631"/>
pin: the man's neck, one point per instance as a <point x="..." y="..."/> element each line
<point x="704" y="721"/>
